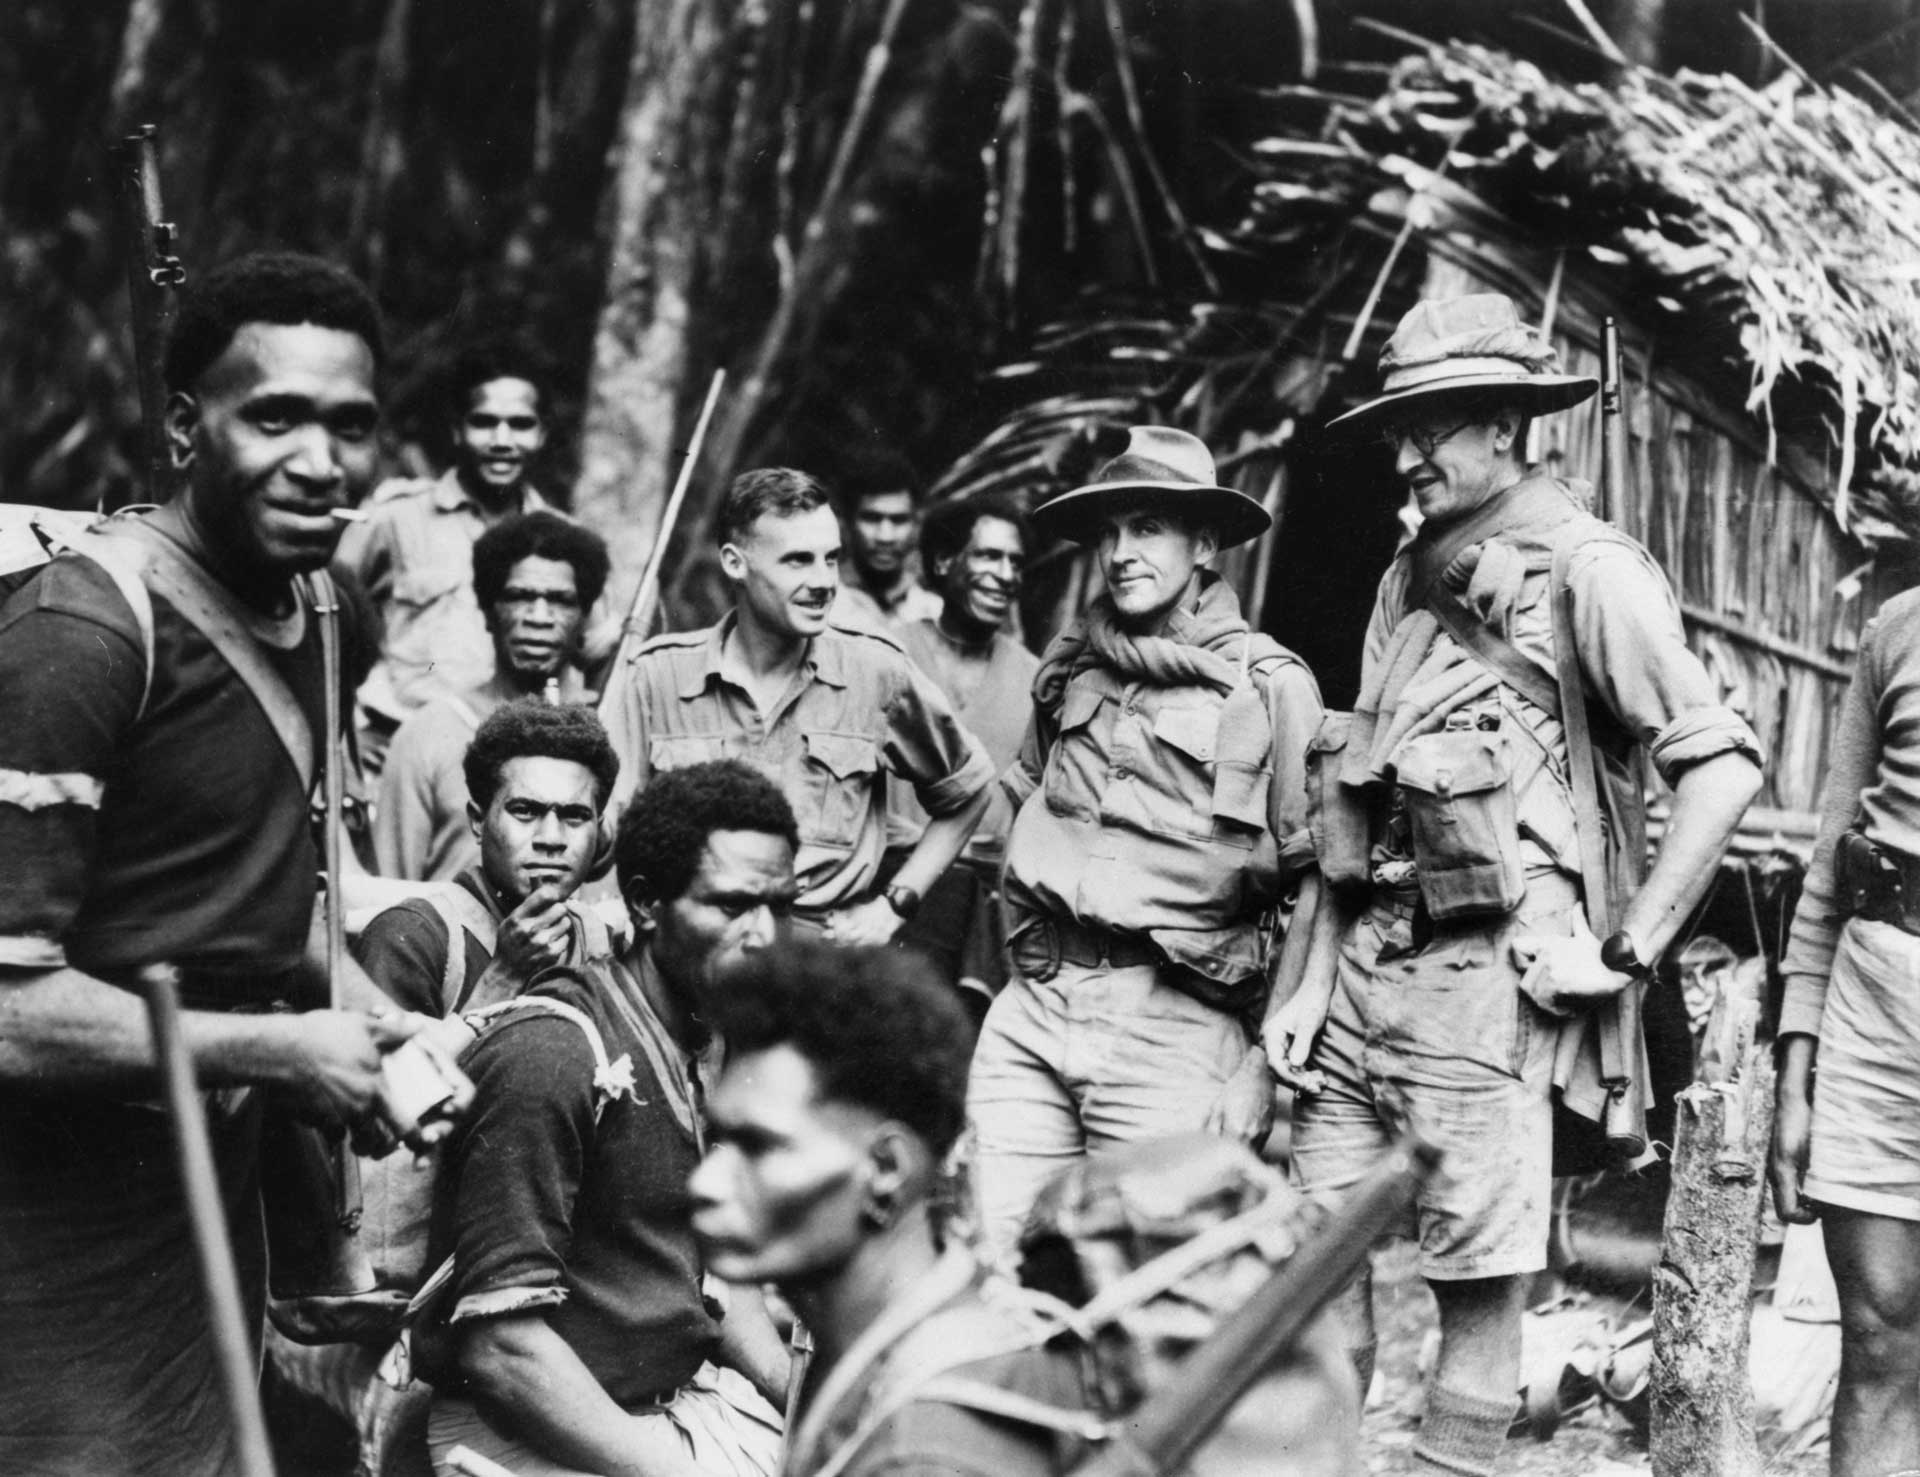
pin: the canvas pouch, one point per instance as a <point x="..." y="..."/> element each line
<point x="1337" y="814"/>
<point x="1457" y="787"/>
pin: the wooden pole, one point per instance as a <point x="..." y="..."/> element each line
<point x="1703" y="1290"/>
<point x="206" y="1211"/>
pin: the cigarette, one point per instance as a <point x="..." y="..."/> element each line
<point x="347" y="515"/>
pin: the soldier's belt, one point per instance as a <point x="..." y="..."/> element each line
<point x="1044" y="945"/>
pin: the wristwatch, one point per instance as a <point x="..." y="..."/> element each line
<point x="1620" y="954"/>
<point x="904" y="901"/>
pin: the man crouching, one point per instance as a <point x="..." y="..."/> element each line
<point x="587" y="1336"/>
<point x="844" y="1090"/>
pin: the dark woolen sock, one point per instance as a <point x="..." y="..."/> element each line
<point x="1463" y="1433"/>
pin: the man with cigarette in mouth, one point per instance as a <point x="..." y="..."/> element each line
<point x="828" y="712"/>
<point x="535" y="575"/>
<point x="155" y="774"/>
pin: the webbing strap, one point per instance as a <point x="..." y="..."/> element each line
<point x="218" y="616"/>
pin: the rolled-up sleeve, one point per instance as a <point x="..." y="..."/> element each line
<point x="927" y="745"/>
<point x="1635" y="655"/>
<point x="517" y="1165"/>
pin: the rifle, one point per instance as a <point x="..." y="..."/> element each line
<point x="646" y="595"/>
<point x="1170" y="1424"/>
<point x="1616" y="1024"/>
<point x="153" y="274"/>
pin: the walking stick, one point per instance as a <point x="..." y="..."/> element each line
<point x="640" y="613"/>
<point x="233" y="1347"/>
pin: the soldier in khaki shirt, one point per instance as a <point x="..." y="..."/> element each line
<point x="828" y="713"/>
<point x="1162" y="815"/>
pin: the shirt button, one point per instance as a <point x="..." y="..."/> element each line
<point x="1120" y="772"/>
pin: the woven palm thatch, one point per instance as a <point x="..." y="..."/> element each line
<point x="1770" y="239"/>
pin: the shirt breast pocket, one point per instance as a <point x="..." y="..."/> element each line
<point x="1203" y="797"/>
<point x="1075" y="768"/>
<point x="678" y="751"/>
<point x="840" y="781"/>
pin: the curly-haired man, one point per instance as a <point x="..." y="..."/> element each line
<point x="534" y="788"/>
<point x="535" y="575"/>
<point x="587" y="1336"/>
<point x="155" y="776"/>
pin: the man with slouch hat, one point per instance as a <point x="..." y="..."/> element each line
<point x="1453" y="811"/>
<point x="1161" y="819"/>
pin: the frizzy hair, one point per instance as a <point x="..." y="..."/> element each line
<point x="278" y="287"/>
<point x="530" y="728"/>
<point x="878" y="1029"/>
<point x="665" y="829"/>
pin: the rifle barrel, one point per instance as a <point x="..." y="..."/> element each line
<point x="153" y="271"/>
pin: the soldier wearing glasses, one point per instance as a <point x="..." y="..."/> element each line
<point x="1444" y="1006"/>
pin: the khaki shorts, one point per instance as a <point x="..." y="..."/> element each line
<point x="1442" y="1041"/>
<point x="1866" y="1099"/>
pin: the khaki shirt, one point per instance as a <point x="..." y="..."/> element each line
<point x="1125" y="822"/>
<point x="414" y="557"/>
<point x="856" y="712"/>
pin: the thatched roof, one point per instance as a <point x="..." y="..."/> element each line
<point x="1778" y="229"/>
<point x="1769" y="241"/>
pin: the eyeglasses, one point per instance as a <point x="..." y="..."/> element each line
<point x="1424" y="441"/>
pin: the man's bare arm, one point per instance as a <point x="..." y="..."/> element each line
<point x="63" y="1029"/>
<point x="532" y="1375"/>
<point x="1708" y="800"/>
<point x="941" y="843"/>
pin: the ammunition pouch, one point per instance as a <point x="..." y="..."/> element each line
<point x="1876" y="882"/>
<point x="1457" y="786"/>
<point x="1338" y="815"/>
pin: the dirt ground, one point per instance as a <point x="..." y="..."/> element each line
<point x="1595" y="1442"/>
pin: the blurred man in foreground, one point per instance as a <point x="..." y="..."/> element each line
<point x="843" y="1092"/>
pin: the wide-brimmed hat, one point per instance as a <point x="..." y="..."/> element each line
<point x="1158" y="460"/>
<point x="1447" y="346"/>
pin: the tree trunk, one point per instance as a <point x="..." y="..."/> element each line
<point x="643" y="353"/>
<point x="1703" y="1291"/>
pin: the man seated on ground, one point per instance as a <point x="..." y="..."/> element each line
<point x="536" y="575"/>
<point x="413" y="551"/>
<point x="586" y="1334"/>
<point x="535" y="785"/>
<point x="844" y="1090"/>
<point x="976" y="551"/>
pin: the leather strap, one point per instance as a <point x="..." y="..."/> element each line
<point x="215" y="614"/>
<point x="1617" y="1021"/>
